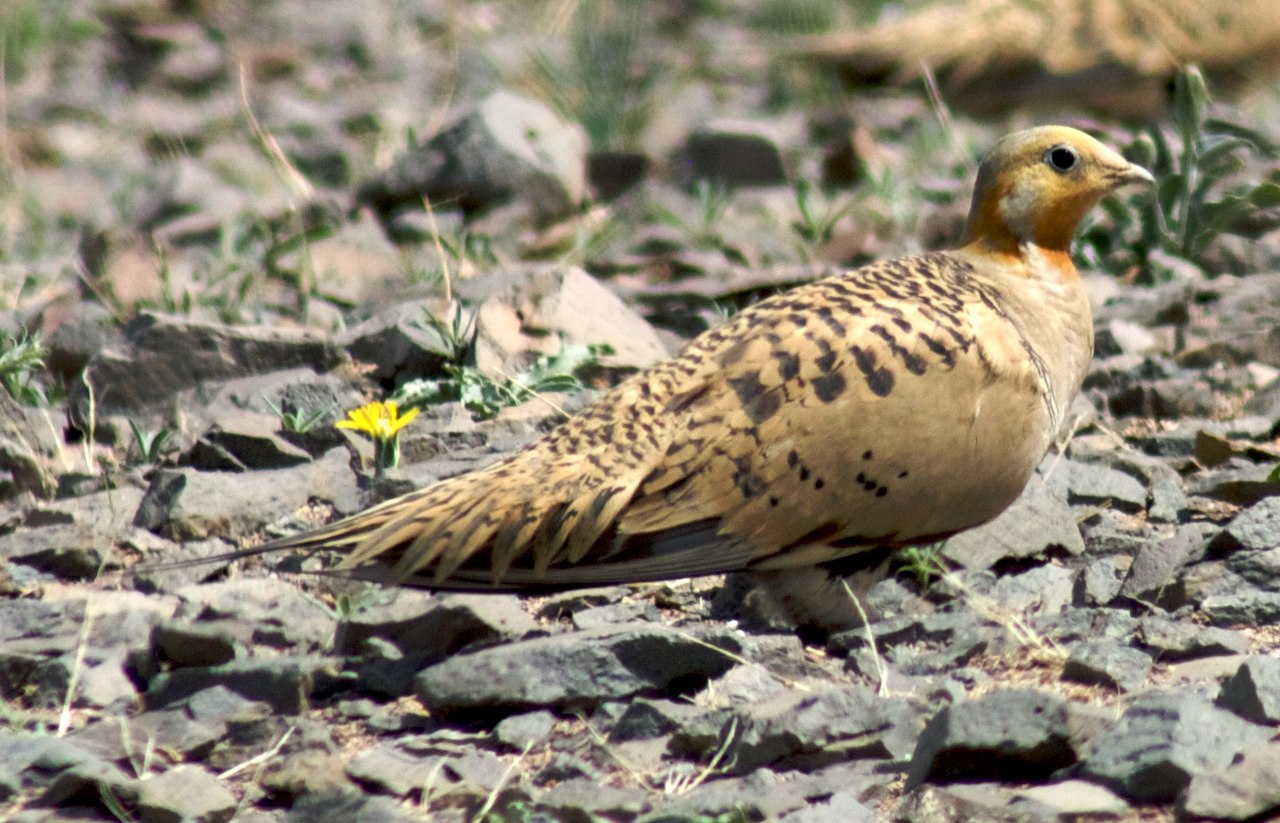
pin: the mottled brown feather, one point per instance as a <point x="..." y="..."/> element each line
<point x="896" y="403"/>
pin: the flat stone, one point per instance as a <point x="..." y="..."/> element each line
<point x="431" y="627"/>
<point x="1257" y="528"/>
<point x="185" y="504"/>
<point x="1046" y="589"/>
<point x="184" y="793"/>
<point x="1069" y="798"/>
<point x="542" y="309"/>
<point x="347" y="806"/>
<point x="1037" y="522"/>
<point x="507" y="147"/>
<point x="163" y="355"/>
<point x="1174" y="640"/>
<point x="577" y="669"/>
<point x="1090" y="484"/>
<point x="263" y="611"/>
<point x="284" y="683"/>
<point x="1012" y="734"/>
<point x="1253" y="692"/>
<point x="1157" y="564"/>
<point x="245" y="441"/>
<point x="805" y="731"/>
<point x="580" y="798"/>
<point x="1245" y="790"/>
<point x="1108" y="663"/>
<point x="1163" y="741"/>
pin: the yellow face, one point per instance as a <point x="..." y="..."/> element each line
<point x="1036" y="185"/>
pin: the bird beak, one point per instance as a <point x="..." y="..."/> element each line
<point x="1129" y="174"/>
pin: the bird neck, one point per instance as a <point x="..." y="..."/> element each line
<point x="997" y="228"/>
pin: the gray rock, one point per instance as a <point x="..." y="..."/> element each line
<point x="509" y="147"/>
<point x="1108" y="663"/>
<point x="1103" y="578"/>
<point x="401" y="344"/>
<point x="404" y="766"/>
<point x="1012" y="734"/>
<point x="582" y="799"/>
<point x="263" y="611"/>
<point x="1068" y="799"/>
<point x="537" y="311"/>
<point x="349" y="807"/>
<point x="799" y="731"/>
<point x="1253" y="692"/>
<point x="735" y="153"/>
<point x="1047" y="589"/>
<point x="1244" y="790"/>
<point x="522" y="731"/>
<point x="1090" y="484"/>
<point x="184" y="644"/>
<point x="284" y="683"/>
<point x="578" y="669"/>
<point x="840" y="807"/>
<point x="1241" y="487"/>
<point x="1257" y="528"/>
<point x="1157" y="564"/>
<point x="184" y="793"/>
<point x="185" y="504"/>
<point x="1038" y="521"/>
<point x="247" y="440"/>
<point x="430" y="627"/>
<point x="71" y="538"/>
<point x="1165" y="740"/>
<point x="647" y="718"/>
<point x="21" y="453"/>
<point x="1174" y="640"/>
<point x="163" y="355"/>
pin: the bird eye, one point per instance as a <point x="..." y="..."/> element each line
<point x="1060" y="158"/>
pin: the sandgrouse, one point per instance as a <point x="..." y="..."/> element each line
<point x="892" y="405"/>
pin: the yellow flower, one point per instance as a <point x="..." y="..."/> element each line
<point x="381" y="421"/>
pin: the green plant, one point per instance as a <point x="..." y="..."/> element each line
<point x="922" y="563"/>
<point x="1274" y="476"/>
<point x="485" y="396"/>
<point x="296" y="421"/>
<point x="151" y="446"/>
<point x="458" y="333"/>
<point x="21" y="356"/>
<point x="816" y="224"/>
<point x="1202" y="192"/>
<point x="605" y="82"/>
<point x="712" y="201"/>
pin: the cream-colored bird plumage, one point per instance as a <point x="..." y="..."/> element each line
<point x="897" y="403"/>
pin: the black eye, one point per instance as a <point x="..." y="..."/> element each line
<point x="1060" y="159"/>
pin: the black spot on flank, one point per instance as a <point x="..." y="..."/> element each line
<point x="947" y="355"/>
<point x="773" y="501"/>
<point x="759" y="403"/>
<point x="819" y="483"/>
<point x="829" y="387"/>
<point x="793" y="457"/>
<point x="733" y="355"/>
<point x="804" y="474"/>
<point x="902" y="324"/>
<point x="902" y="474"/>
<point x="861" y="478"/>
<point x="826" y="362"/>
<point x="867" y="455"/>
<point x="882" y="491"/>
<point x="879" y="379"/>
<point x="788" y="364"/>
<point x="837" y="328"/>
<point x="869" y="485"/>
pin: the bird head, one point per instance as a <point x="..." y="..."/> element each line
<point x="1036" y="185"/>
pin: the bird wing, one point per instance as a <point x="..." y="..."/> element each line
<point x="769" y="441"/>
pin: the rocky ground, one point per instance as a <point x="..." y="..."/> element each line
<point x="214" y="219"/>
